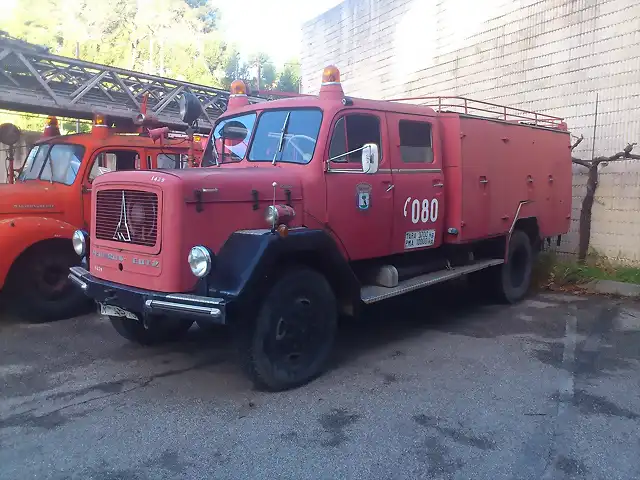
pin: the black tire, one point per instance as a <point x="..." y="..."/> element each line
<point x="38" y="286"/>
<point x="509" y="282"/>
<point x="160" y="330"/>
<point x="289" y="342"/>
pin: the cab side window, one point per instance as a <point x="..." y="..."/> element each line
<point x="112" y="161"/>
<point x="415" y="142"/>
<point x="352" y="132"/>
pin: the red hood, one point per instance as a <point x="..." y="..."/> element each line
<point x="228" y="183"/>
<point x="201" y="206"/>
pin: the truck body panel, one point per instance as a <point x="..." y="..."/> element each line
<point x="492" y="166"/>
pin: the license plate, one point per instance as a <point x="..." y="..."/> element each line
<point x="419" y="238"/>
<point x="113" y="311"/>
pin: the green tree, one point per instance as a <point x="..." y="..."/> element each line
<point x="289" y="79"/>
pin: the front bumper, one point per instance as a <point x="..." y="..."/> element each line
<point x="147" y="302"/>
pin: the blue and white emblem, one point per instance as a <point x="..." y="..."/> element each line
<point x="363" y="196"/>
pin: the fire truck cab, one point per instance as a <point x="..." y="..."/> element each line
<point x="50" y="198"/>
<point x="318" y="205"/>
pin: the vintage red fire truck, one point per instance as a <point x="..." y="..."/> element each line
<point x="318" y="205"/>
<point x="51" y="197"/>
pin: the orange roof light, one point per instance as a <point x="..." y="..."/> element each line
<point x="99" y="120"/>
<point x="238" y="88"/>
<point x="52" y="121"/>
<point x="330" y="75"/>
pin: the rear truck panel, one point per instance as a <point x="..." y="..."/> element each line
<point x="19" y="233"/>
<point x="491" y="167"/>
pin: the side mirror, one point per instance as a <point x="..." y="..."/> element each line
<point x="370" y="158"/>
<point x="190" y="108"/>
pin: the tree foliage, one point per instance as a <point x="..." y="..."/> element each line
<point x="173" y="38"/>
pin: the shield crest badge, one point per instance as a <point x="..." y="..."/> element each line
<point x="363" y="196"/>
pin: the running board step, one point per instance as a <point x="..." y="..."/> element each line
<point x="374" y="293"/>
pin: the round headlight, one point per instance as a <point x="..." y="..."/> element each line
<point x="79" y="242"/>
<point x="271" y="215"/>
<point x="200" y="261"/>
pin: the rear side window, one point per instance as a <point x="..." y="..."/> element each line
<point x="114" y="160"/>
<point x="415" y="142"/>
<point x="170" y="161"/>
<point x="352" y="132"/>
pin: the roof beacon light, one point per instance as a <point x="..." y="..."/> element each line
<point x="51" y="128"/>
<point x="238" y="97"/>
<point x="330" y="75"/>
<point x="331" y="88"/>
<point x="99" y="120"/>
<point x="238" y="88"/>
<point x="100" y="128"/>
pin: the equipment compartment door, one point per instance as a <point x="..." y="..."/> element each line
<point x="418" y="182"/>
<point x="359" y="205"/>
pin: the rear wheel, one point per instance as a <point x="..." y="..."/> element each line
<point x="39" y="288"/>
<point x="510" y="281"/>
<point x="159" y="330"/>
<point x="289" y="342"/>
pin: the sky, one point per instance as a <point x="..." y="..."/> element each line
<point x="272" y="26"/>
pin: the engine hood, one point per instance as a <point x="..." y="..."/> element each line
<point x="29" y="198"/>
<point x="242" y="184"/>
<point x="218" y="184"/>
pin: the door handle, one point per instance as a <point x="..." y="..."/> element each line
<point x="483" y="179"/>
<point x="86" y="189"/>
<point x="439" y="185"/>
<point x="390" y="187"/>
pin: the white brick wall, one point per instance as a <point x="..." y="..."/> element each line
<point x="546" y="55"/>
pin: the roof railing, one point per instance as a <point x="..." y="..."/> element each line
<point x="479" y="108"/>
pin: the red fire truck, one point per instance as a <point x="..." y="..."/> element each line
<point x="318" y="205"/>
<point x="51" y="198"/>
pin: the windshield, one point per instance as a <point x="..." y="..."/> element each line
<point x="237" y="133"/>
<point x="53" y="163"/>
<point x="286" y="136"/>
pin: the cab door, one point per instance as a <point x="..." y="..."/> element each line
<point x="359" y="205"/>
<point x="104" y="161"/>
<point x="418" y="183"/>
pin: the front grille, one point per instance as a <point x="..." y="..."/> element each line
<point x="127" y="216"/>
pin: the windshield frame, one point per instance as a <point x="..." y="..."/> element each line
<point x="46" y="162"/>
<point x="258" y="113"/>
<point x="290" y="110"/>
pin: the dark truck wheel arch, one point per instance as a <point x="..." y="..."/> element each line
<point x="250" y="262"/>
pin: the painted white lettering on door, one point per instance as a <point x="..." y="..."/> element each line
<point x="421" y="211"/>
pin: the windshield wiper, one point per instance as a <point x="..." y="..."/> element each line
<point x="283" y="132"/>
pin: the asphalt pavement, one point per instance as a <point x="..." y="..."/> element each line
<point x="431" y="386"/>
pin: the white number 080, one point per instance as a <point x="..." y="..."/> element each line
<point x="422" y="210"/>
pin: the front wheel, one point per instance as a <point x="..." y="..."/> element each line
<point x="290" y="341"/>
<point x="159" y="330"/>
<point x="39" y="288"/>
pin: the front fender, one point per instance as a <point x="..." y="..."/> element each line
<point x="19" y="233"/>
<point x="253" y="258"/>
